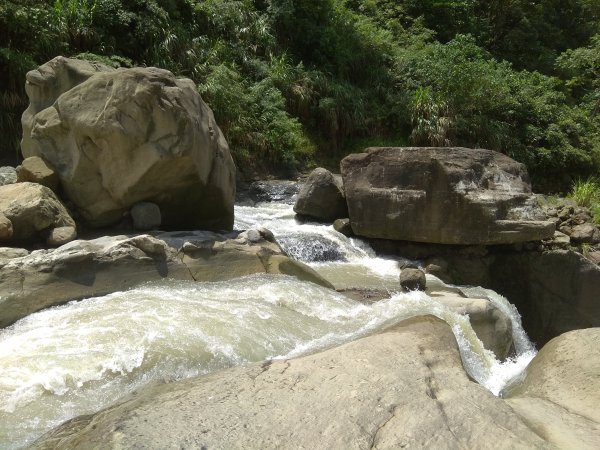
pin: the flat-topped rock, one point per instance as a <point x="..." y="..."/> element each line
<point x="442" y="196"/>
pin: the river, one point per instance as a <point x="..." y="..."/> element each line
<point x="86" y="355"/>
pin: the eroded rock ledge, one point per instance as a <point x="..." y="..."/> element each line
<point x="84" y="268"/>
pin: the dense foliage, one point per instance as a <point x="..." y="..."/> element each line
<point x="291" y="81"/>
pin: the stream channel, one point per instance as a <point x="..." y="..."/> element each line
<point x="81" y="357"/>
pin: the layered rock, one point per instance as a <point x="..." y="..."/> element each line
<point x="560" y="393"/>
<point x="404" y="388"/>
<point x="45" y="278"/>
<point x="33" y="211"/>
<point x="322" y="197"/>
<point x="441" y="195"/>
<point x="118" y="137"/>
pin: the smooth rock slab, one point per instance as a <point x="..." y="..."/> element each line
<point x="560" y="393"/>
<point x="404" y="388"/>
<point x="442" y="196"/>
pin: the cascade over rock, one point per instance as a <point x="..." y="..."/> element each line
<point x="441" y="195"/>
<point x="119" y="137"/>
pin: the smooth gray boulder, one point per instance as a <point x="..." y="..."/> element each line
<point x="322" y="197"/>
<point x="100" y="266"/>
<point x="403" y="388"/>
<point x="145" y="216"/>
<point x="118" y="137"/>
<point x="442" y="196"/>
<point x="560" y="393"/>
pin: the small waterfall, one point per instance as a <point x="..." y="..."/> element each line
<point x="81" y="357"/>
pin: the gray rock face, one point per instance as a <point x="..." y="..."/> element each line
<point x="404" y="388"/>
<point x="79" y="269"/>
<point x="32" y="209"/>
<point x="118" y="137"/>
<point x="441" y="195"/>
<point x="555" y="291"/>
<point x="60" y="236"/>
<point x="560" y="393"/>
<point x="322" y="197"/>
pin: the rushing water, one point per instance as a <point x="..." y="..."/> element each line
<point x="78" y="358"/>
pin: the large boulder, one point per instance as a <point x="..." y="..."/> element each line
<point x="80" y="269"/>
<point x="441" y="195"/>
<point x="118" y="137"/>
<point x="560" y="393"/>
<point x="404" y="388"/>
<point x="33" y="211"/>
<point x="322" y="197"/>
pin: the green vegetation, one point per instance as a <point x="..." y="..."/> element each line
<point x="297" y="81"/>
<point x="586" y="192"/>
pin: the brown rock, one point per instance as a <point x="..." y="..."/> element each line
<point x="322" y="197"/>
<point x="442" y="195"/>
<point x="6" y="228"/>
<point x="35" y="170"/>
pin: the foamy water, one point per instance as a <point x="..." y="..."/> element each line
<point x="84" y="356"/>
<point x="81" y="357"/>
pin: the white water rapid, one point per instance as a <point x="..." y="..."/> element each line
<point x="83" y="356"/>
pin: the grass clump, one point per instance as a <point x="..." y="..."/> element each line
<point x="586" y="192"/>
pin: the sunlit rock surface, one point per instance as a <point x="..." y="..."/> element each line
<point x="442" y="196"/>
<point x="560" y="393"/>
<point x="118" y="137"/>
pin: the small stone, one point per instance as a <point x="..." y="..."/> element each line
<point x="560" y="240"/>
<point x="60" y="236"/>
<point x="266" y="234"/>
<point x="565" y="212"/>
<point x="253" y="236"/>
<point x="8" y="175"/>
<point x="146" y="216"/>
<point x="343" y="226"/>
<point x="412" y="280"/>
<point x="35" y="170"/>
